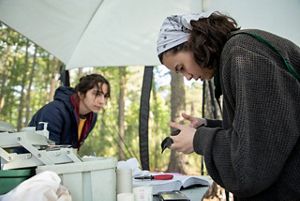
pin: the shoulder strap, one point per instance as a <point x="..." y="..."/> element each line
<point x="288" y="66"/>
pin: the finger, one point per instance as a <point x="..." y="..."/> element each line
<point x="187" y="117"/>
<point x="195" y="124"/>
<point x="176" y="125"/>
<point x="174" y="145"/>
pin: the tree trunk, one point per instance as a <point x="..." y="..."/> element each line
<point x="22" y="93"/>
<point x="4" y="70"/>
<point x="212" y="110"/>
<point x="13" y="76"/>
<point x="177" y="160"/>
<point x="28" y="96"/>
<point x="53" y="65"/>
<point x="121" y="116"/>
<point x="80" y="72"/>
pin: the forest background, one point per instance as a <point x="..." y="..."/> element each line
<point x="29" y="76"/>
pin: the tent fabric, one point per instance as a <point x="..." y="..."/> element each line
<point x="94" y="32"/>
<point x="124" y="32"/>
<point x="276" y="16"/>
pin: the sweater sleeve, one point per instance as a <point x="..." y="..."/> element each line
<point x="261" y="104"/>
<point x="212" y="123"/>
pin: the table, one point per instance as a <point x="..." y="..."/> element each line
<point x="194" y="194"/>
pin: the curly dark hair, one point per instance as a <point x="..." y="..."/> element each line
<point x="90" y="81"/>
<point x="207" y="38"/>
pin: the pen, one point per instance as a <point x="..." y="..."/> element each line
<point x="156" y="177"/>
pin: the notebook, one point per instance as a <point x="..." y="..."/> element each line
<point x="177" y="183"/>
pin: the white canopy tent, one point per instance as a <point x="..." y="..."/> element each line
<point x="84" y="33"/>
<point x="94" y="32"/>
<point x="124" y="32"/>
<point x="277" y="16"/>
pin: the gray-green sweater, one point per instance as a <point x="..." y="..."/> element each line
<point x="256" y="153"/>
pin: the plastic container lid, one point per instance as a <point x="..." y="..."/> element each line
<point x="9" y="179"/>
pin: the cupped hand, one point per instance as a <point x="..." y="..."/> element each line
<point x="183" y="142"/>
<point x="194" y="121"/>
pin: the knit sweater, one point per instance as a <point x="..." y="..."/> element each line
<point x="256" y="153"/>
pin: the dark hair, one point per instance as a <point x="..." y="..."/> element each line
<point x="174" y="50"/>
<point x="207" y="38"/>
<point x="90" y="81"/>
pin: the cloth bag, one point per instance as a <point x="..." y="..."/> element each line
<point x="44" y="186"/>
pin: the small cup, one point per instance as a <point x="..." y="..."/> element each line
<point x="124" y="181"/>
<point x="125" y="197"/>
<point x="143" y="193"/>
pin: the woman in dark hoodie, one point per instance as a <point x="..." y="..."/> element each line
<point x="73" y="113"/>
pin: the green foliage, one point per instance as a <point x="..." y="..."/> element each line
<point x="103" y="141"/>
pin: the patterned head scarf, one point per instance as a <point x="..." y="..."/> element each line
<point x="176" y="29"/>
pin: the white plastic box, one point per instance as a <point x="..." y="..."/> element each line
<point x="92" y="180"/>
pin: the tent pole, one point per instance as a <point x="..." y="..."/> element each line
<point x="203" y="116"/>
<point x="144" y="117"/>
<point x="64" y="76"/>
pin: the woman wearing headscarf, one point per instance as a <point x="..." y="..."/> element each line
<point x="255" y="151"/>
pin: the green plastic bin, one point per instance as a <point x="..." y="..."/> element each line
<point x="9" y="179"/>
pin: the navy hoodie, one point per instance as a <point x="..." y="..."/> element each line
<point x="62" y="119"/>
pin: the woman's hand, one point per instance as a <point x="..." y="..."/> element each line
<point x="194" y="122"/>
<point x="183" y="142"/>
